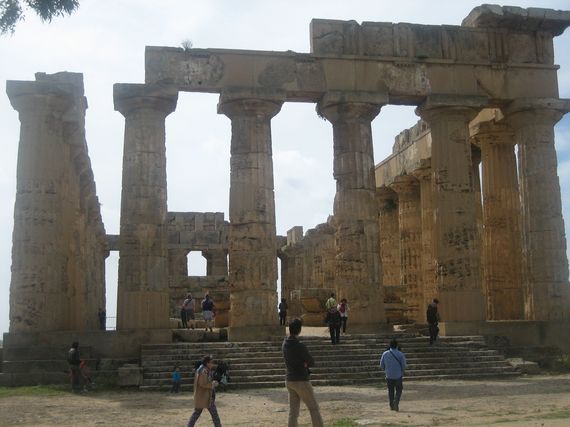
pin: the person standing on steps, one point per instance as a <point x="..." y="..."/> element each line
<point x="393" y="363"/>
<point x="205" y="393"/>
<point x="343" y="310"/>
<point x="331" y="302"/>
<point x="298" y="361"/>
<point x="189" y="307"/>
<point x="432" y="317"/>
<point x="208" y="312"/>
<point x="334" y="321"/>
<point x="282" y="312"/>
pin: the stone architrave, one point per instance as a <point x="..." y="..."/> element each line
<point x="424" y="176"/>
<point x="389" y="236"/>
<point x="410" y="231"/>
<point x="252" y="232"/>
<point x="456" y="249"/>
<point x="39" y="287"/>
<point x="358" y="268"/>
<point x="545" y="265"/>
<point x="502" y="278"/>
<point x="143" y="294"/>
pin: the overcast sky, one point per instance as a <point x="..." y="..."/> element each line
<point x="105" y="41"/>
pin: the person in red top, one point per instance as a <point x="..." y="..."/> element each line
<point x="343" y="310"/>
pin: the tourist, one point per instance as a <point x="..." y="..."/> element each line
<point x="205" y="393"/>
<point x="208" y="312"/>
<point x="298" y="361"/>
<point x="330" y="303"/>
<point x="74" y="360"/>
<point x="334" y="321"/>
<point x="86" y="375"/>
<point x="188" y="306"/>
<point x="433" y="319"/>
<point x="282" y="311"/>
<point x="343" y="310"/>
<point x="102" y="315"/>
<point x="393" y="363"/>
<point x="176" y="379"/>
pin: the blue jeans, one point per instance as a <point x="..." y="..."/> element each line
<point x="398" y="386"/>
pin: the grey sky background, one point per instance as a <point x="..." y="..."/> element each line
<point x="105" y="41"/>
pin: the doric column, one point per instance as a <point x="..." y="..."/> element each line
<point x="252" y="233"/>
<point x="39" y="284"/>
<point x="389" y="235"/>
<point x="502" y="254"/>
<point x="143" y="296"/>
<point x="358" y="268"/>
<point x="424" y="176"/>
<point x="410" y="232"/>
<point x="455" y="246"/>
<point x="545" y="265"/>
<point x="217" y="262"/>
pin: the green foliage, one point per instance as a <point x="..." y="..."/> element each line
<point x="13" y="11"/>
<point x="562" y="363"/>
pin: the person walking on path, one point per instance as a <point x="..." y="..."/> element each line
<point x="432" y="317"/>
<point x="330" y="303"/>
<point x="393" y="363"/>
<point x="208" y="312"/>
<point x="298" y="361"/>
<point x="205" y="393"/>
<point x="343" y="310"/>
<point x="282" y="311"/>
<point x="74" y="360"/>
<point x="334" y="321"/>
<point x="176" y="379"/>
<point x="189" y="311"/>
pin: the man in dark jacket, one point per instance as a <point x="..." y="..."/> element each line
<point x="298" y="361"/>
<point x="74" y="360"/>
<point x="433" y="319"/>
<point x="334" y="321"/>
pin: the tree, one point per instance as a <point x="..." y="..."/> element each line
<point x="12" y="11"/>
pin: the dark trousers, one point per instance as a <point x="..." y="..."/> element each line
<point x="394" y="385"/>
<point x="343" y="320"/>
<point x="213" y="412"/>
<point x="433" y="331"/>
<point x="183" y="318"/>
<point x="282" y="317"/>
<point x="175" y="387"/>
<point x="75" y="378"/>
<point x="335" y="333"/>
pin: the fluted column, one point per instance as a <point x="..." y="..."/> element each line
<point x="410" y="231"/>
<point x="545" y="265"/>
<point x="358" y="268"/>
<point x="429" y="289"/>
<point x="39" y="284"/>
<point x="455" y="247"/>
<point x="252" y="233"/>
<point x="143" y="294"/>
<point x="502" y="256"/>
<point x="389" y="234"/>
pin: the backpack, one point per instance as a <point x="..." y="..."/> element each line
<point x="342" y="308"/>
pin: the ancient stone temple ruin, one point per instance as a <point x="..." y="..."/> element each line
<point x="420" y="224"/>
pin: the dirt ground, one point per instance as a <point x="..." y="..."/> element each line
<point x="525" y="401"/>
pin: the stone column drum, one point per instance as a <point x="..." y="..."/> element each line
<point x="39" y="285"/>
<point x="545" y="267"/>
<point x="502" y="254"/>
<point x="456" y="249"/>
<point x="389" y="235"/>
<point x="143" y="295"/>
<point x="358" y="268"/>
<point x="410" y="232"/>
<point x="252" y="232"/>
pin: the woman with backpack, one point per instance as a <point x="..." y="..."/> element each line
<point x="343" y="310"/>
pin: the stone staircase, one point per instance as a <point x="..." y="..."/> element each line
<point x="354" y="361"/>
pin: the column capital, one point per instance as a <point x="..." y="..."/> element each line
<point x="131" y="97"/>
<point x="424" y="171"/>
<point x="345" y="106"/>
<point x="406" y="186"/>
<point x="35" y="97"/>
<point x="436" y="105"/>
<point x="530" y="110"/>
<point x="247" y="102"/>
<point x="491" y="132"/>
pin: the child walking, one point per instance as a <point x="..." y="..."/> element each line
<point x="176" y="379"/>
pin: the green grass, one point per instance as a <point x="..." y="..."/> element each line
<point x="38" y="390"/>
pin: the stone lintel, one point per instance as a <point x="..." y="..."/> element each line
<point x="530" y="104"/>
<point x="63" y="77"/>
<point x="113" y="242"/>
<point x="459" y="101"/>
<point x="129" y="97"/>
<point x="518" y="19"/>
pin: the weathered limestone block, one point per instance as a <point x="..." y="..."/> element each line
<point x="456" y="250"/>
<point x="252" y="234"/>
<point x="143" y="269"/>
<point x="502" y="254"/>
<point x="358" y="269"/>
<point x="545" y="265"/>
<point x="410" y="231"/>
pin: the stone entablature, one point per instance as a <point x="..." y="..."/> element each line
<point x="197" y="230"/>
